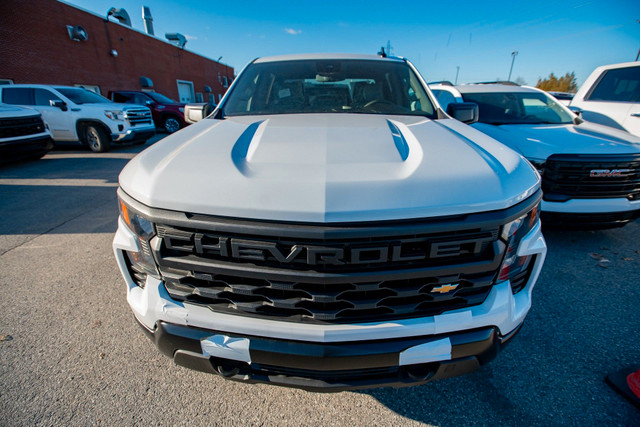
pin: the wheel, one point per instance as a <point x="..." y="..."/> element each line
<point x="171" y="124"/>
<point x="96" y="138"/>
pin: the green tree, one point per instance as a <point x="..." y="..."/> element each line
<point x="566" y="83"/>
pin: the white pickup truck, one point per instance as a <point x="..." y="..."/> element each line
<point x="76" y="114"/>
<point x="611" y="96"/>
<point x="330" y="227"/>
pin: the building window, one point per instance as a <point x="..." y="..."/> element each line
<point x="199" y="97"/>
<point x="225" y="81"/>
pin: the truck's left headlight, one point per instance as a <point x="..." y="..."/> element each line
<point x="142" y="262"/>
<point x="512" y="234"/>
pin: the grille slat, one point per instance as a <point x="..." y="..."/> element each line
<point x="11" y="128"/>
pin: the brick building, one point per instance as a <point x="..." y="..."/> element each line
<point x="36" y="47"/>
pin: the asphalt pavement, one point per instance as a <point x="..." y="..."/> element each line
<point x="72" y="354"/>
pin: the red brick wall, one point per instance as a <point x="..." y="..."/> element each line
<point x="35" y="48"/>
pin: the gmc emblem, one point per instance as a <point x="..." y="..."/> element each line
<point x="610" y="173"/>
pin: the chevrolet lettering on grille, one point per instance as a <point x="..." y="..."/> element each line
<point x="384" y="252"/>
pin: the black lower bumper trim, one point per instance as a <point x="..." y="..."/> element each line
<point x="329" y="367"/>
<point x="588" y="221"/>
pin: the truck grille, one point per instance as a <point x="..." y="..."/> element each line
<point x="320" y="273"/>
<point x="591" y="176"/>
<point x="11" y="128"/>
<point x="136" y="116"/>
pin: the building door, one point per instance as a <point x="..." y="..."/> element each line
<point x="185" y="91"/>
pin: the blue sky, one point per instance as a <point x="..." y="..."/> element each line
<point x="550" y="36"/>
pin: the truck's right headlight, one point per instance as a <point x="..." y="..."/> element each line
<point x="114" y="115"/>
<point x="142" y="262"/>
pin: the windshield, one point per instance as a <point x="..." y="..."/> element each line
<point x="328" y="86"/>
<point x="518" y="108"/>
<point x="160" y="98"/>
<point x="82" y="96"/>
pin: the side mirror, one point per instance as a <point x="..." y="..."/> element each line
<point x="466" y="112"/>
<point x="150" y="103"/>
<point x="195" y="112"/>
<point x="58" y="103"/>
<point x="576" y="110"/>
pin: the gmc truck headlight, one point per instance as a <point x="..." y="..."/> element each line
<point x="142" y="262"/>
<point x="114" y="115"/>
<point x="539" y="164"/>
<point x="512" y="234"/>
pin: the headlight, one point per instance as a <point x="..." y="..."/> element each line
<point x="539" y="164"/>
<point x="114" y="115"/>
<point x="512" y="234"/>
<point x="142" y="262"/>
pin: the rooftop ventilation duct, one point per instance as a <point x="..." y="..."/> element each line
<point x="177" y="39"/>
<point x="121" y="15"/>
<point x="148" y="20"/>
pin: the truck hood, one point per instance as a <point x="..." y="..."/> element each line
<point x="541" y="141"/>
<point x="329" y="168"/>
<point x="11" y="111"/>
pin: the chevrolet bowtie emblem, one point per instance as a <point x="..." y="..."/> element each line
<point x="445" y="288"/>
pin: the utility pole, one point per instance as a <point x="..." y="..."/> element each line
<point x="638" y="55"/>
<point x="513" y="59"/>
<point x="457" y="72"/>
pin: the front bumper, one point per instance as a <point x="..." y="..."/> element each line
<point x="24" y="147"/>
<point x="259" y="350"/>
<point x="328" y="367"/>
<point x="590" y="213"/>
<point x="136" y="133"/>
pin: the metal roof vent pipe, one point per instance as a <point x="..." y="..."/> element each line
<point x="176" y="39"/>
<point x="148" y="20"/>
<point x="121" y="15"/>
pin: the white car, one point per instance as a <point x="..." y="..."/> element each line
<point x="611" y="96"/>
<point x="329" y="227"/>
<point x="590" y="173"/>
<point x="76" y="114"/>
<point x="23" y="134"/>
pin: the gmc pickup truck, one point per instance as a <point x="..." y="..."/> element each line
<point x="330" y="227"/>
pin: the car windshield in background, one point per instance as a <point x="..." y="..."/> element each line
<point x="328" y="86"/>
<point x="160" y="98"/>
<point x="509" y="108"/>
<point x="82" y="96"/>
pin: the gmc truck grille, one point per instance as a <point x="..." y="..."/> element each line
<point x="315" y="273"/>
<point x="11" y="128"/>
<point x="591" y="177"/>
<point x="136" y="116"/>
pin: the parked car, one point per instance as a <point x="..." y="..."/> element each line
<point x="168" y="114"/>
<point x="23" y="134"/>
<point x="590" y="173"/>
<point x="329" y="227"/>
<point x="611" y="96"/>
<point x="77" y="115"/>
<point x="563" y="98"/>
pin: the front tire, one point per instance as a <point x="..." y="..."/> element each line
<point x="96" y="138"/>
<point x="171" y="124"/>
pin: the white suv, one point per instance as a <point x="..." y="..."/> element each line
<point x="590" y="173"/>
<point x="76" y="114"/>
<point x="329" y="227"/>
<point x="611" y="97"/>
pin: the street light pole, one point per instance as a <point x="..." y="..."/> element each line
<point x="457" y="72"/>
<point x="513" y="59"/>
